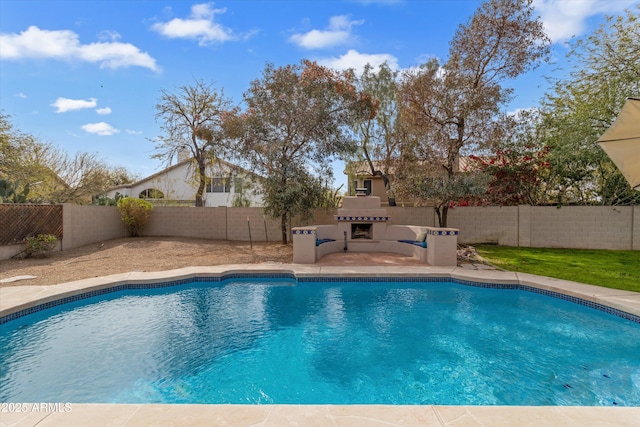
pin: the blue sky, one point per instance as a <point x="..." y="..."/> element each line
<point x="85" y="75"/>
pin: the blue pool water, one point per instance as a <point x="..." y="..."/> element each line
<point x="284" y="342"/>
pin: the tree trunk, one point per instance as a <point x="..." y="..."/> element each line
<point x="441" y="212"/>
<point x="201" y="184"/>
<point x="283" y="228"/>
<point x="387" y="187"/>
<point x="443" y="219"/>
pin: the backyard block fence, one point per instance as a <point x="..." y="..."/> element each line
<point x="586" y="227"/>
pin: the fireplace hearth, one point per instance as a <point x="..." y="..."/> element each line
<point x="360" y="231"/>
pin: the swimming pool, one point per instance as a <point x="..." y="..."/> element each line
<point x="312" y="341"/>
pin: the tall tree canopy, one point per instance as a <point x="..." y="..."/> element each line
<point x="457" y="106"/>
<point x="45" y="173"/>
<point x="379" y="135"/>
<point x="606" y="70"/>
<point x="518" y="164"/>
<point x="297" y="119"/>
<point x="191" y="120"/>
<point x="14" y="146"/>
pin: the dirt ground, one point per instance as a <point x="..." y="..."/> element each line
<point x="167" y="253"/>
<point x="138" y="254"/>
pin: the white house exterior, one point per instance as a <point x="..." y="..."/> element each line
<point x="227" y="185"/>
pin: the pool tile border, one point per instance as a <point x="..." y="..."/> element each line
<point x="310" y="278"/>
<point x="138" y="286"/>
<point x="601" y="307"/>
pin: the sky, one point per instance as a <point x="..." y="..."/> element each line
<point x="85" y="75"/>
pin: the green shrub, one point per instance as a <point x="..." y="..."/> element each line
<point x="135" y="213"/>
<point x="104" y="200"/>
<point x="40" y="245"/>
<point x="9" y="192"/>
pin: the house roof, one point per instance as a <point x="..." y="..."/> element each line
<point x="361" y="168"/>
<point x="176" y="166"/>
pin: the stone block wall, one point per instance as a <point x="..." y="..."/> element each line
<point x="320" y="217"/>
<point x="485" y="224"/>
<point x="263" y="228"/>
<point x="202" y="223"/>
<point x="83" y="225"/>
<point x="594" y="227"/>
<point x="588" y="227"/>
<point x="424" y="216"/>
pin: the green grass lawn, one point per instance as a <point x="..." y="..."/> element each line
<point x="611" y="269"/>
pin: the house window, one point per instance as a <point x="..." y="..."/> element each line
<point x="367" y="185"/>
<point x="218" y="185"/>
<point x="238" y="186"/>
<point x="355" y="185"/>
<point x="151" y="193"/>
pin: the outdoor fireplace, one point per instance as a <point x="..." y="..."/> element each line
<point x="362" y="225"/>
<point x="360" y="231"/>
<point x="362" y="219"/>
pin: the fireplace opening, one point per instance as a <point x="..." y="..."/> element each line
<point x="360" y="231"/>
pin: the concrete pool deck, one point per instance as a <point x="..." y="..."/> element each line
<point x="15" y="298"/>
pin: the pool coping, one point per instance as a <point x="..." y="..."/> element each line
<point x="16" y="298"/>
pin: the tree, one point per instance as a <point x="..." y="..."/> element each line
<point x="14" y="147"/>
<point x="457" y="107"/>
<point x="78" y="178"/>
<point x="297" y="119"/>
<point x="580" y="108"/>
<point x="380" y="133"/>
<point x="442" y="189"/>
<point x="192" y="120"/>
<point x="42" y="172"/>
<point x="119" y="175"/>
<point x="518" y="165"/>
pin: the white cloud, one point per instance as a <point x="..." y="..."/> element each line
<point x="199" y="26"/>
<point x="64" y="45"/>
<point x="21" y="95"/>
<point x="357" y="61"/>
<point x="116" y="55"/>
<point x="338" y="33"/>
<point x="109" y="35"/>
<point x="564" y="19"/>
<point x="65" y="104"/>
<point x="133" y="132"/>
<point x="103" y="111"/>
<point x="102" y="129"/>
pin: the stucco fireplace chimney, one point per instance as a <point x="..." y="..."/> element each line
<point x="362" y="218"/>
<point x="183" y="154"/>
